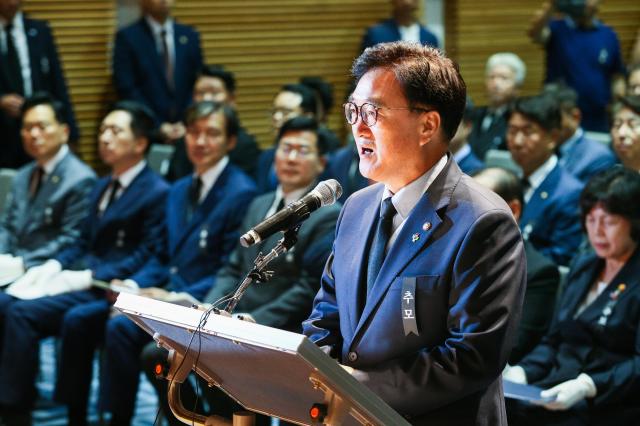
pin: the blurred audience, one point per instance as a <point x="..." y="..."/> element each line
<point x="286" y="299"/>
<point x="459" y="145"/>
<point x="625" y="131"/>
<point x="122" y="229"/>
<point x="402" y="26"/>
<point x="323" y="91"/>
<point x="155" y="62"/>
<point x="49" y="196"/>
<point x="577" y="153"/>
<point x="550" y="218"/>
<point x="27" y="65"/>
<point x="633" y="81"/>
<point x="204" y="212"/>
<point x="588" y="360"/>
<point x="543" y="277"/>
<point x="582" y="52"/>
<point x="504" y="74"/>
<point x="215" y="83"/>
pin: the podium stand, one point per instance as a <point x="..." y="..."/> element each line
<point x="269" y="371"/>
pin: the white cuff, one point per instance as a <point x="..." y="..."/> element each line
<point x="587" y="381"/>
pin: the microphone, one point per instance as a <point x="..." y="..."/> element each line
<point x="324" y="194"/>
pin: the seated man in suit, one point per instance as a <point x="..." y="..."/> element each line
<point x="504" y="74"/>
<point x="291" y="101"/>
<point x="202" y="227"/>
<point x="543" y="277"/>
<point x="402" y="26"/>
<point x="343" y="167"/>
<point x="49" y="196"/>
<point x="578" y="154"/>
<point x="550" y="218"/>
<point x="459" y="146"/>
<point x="422" y="293"/>
<point x="214" y="83"/>
<point x="286" y="299"/>
<point x="155" y="62"/>
<point x="625" y="131"/>
<point x="29" y="64"/>
<point x="122" y="230"/>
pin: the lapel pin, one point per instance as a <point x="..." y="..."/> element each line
<point x="544" y="195"/>
<point x="415" y="237"/>
<point x="184" y="39"/>
<point x="426" y="226"/>
<point x="55" y="179"/>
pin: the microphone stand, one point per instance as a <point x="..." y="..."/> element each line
<point x="258" y="273"/>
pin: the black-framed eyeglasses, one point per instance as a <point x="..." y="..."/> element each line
<point x="369" y="112"/>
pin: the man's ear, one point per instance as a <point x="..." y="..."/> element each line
<point x="142" y="143"/>
<point x="231" y="143"/>
<point x="429" y="125"/>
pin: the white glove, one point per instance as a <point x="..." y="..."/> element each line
<point x="33" y="283"/>
<point x="515" y="374"/>
<point x="67" y="281"/>
<point x="569" y="393"/>
<point x="11" y="268"/>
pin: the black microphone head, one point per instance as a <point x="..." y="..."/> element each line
<point x="328" y="191"/>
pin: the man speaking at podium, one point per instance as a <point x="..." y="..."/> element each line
<point x="422" y="293"/>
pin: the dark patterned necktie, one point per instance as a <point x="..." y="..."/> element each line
<point x="36" y="181"/>
<point x="380" y="241"/>
<point x="13" y="68"/>
<point x="166" y="58"/>
<point x="115" y="186"/>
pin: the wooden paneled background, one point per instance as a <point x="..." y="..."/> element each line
<point x="267" y="43"/>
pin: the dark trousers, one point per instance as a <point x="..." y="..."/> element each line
<point x="25" y="323"/>
<point x="81" y="333"/>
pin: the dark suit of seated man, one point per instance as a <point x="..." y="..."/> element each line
<point x="202" y="228"/>
<point x="402" y="26"/>
<point x="459" y="146"/>
<point x="543" y="277"/>
<point x="422" y="293"/>
<point x="285" y="301"/>
<point x="577" y="153"/>
<point x="550" y="218"/>
<point x="122" y="230"/>
<point x="48" y="197"/>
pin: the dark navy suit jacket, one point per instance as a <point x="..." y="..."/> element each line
<point x="609" y="353"/>
<point x="129" y="232"/>
<point x="387" y="30"/>
<point x="343" y="167"/>
<point x="462" y="250"/>
<point x="551" y="218"/>
<point x="198" y="247"/>
<point x="138" y="70"/>
<point x="47" y="76"/>
<point x="470" y="163"/>
<point x="587" y="158"/>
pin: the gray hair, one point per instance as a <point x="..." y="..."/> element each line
<point x="512" y="61"/>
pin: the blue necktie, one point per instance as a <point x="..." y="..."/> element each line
<point x="380" y="241"/>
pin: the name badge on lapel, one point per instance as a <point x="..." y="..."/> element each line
<point x="408" y="306"/>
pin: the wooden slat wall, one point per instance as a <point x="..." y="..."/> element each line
<point x="83" y="30"/>
<point x="475" y="30"/>
<point x="268" y="43"/>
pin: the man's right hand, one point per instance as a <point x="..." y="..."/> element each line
<point x="11" y="104"/>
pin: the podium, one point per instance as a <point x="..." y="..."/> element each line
<point x="268" y="371"/>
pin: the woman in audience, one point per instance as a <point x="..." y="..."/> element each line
<point x="625" y="131"/>
<point x="589" y="361"/>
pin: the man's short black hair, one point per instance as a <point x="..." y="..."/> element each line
<point x="617" y="190"/>
<point x="505" y="183"/>
<point x="204" y="109"/>
<point x="542" y="109"/>
<point x="218" y="71"/>
<point x="565" y="96"/>
<point x="323" y="90"/>
<point x="428" y="78"/>
<point x="308" y="103"/>
<point x="301" y="124"/>
<point x="630" y="101"/>
<point x="142" y="118"/>
<point x="44" y="98"/>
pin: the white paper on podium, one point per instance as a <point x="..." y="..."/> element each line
<point x="265" y="369"/>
